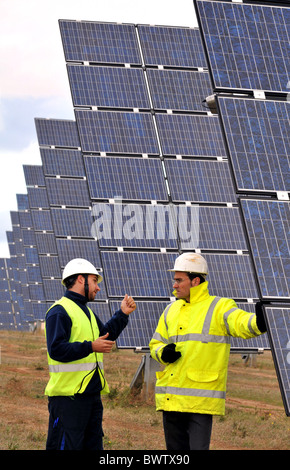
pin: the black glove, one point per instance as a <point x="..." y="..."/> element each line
<point x="260" y="317"/>
<point x="169" y="354"/>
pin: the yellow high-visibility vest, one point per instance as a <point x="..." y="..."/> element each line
<point x="69" y="378"/>
<point x="201" y="330"/>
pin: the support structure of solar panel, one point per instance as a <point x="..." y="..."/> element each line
<point x="122" y="119"/>
<point x="252" y="103"/>
<point x="69" y="203"/>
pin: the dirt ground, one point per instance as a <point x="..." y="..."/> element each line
<point x="255" y="416"/>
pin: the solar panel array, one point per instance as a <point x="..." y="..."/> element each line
<point x="141" y="175"/>
<point x="248" y="54"/>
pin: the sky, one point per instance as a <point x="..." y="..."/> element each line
<point x="33" y="76"/>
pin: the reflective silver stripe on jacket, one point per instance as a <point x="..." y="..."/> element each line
<point x="207" y="321"/>
<point x="166" y="313"/>
<point x="191" y="392"/>
<point x="204" y="336"/>
<point x="226" y="314"/>
<point x="74" y="367"/>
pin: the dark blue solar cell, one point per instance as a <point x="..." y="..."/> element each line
<point x="108" y="87"/>
<point x="117" y="132"/>
<point x="230" y="275"/>
<point x="49" y="266"/>
<point x="125" y="178"/>
<point x="175" y="47"/>
<point x="219" y="228"/>
<point x="100" y="42"/>
<point x="135" y="225"/>
<point x="59" y="132"/>
<point x="146" y="273"/>
<point x="38" y="198"/>
<point x="62" y="162"/>
<point x="41" y="220"/>
<point x="179" y="89"/>
<point x="200" y="181"/>
<point x="248" y="46"/>
<point x="68" y="192"/>
<point x="72" y="222"/>
<point x="142" y="324"/>
<point x="72" y="248"/>
<point x="268" y="228"/>
<point x="33" y="175"/>
<point x="198" y="135"/>
<point x="258" y="138"/>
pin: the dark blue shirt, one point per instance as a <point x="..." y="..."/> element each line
<point x="58" y="331"/>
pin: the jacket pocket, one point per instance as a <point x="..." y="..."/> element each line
<point x="204" y="376"/>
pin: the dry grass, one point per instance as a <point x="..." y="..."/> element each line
<point x="255" y="417"/>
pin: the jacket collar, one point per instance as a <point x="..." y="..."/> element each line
<point x="198" y="293"/>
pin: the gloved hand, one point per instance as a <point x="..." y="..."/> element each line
<point x="169" y="354"/>
<point x="260" y="317"/>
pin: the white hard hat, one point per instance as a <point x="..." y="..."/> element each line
<point x="79" y="266"/>
<point x="190" y="263"/>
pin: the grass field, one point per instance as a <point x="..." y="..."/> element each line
<point x="255" y="418"/>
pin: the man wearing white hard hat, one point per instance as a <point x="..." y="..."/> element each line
<point x="192" y="341"/>
<point x="76" y="340"/>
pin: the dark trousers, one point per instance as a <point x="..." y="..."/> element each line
<point x="187" y="431"/>
<point x="75" y="423"/>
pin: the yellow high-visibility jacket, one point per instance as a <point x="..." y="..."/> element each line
<point x="201" y="329"/>
<point x="69" y="378"/>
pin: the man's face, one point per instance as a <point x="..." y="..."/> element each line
<point x="93" y="286"/>
<point x="182" y="285"/>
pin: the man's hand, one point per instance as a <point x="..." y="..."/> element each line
<point x="128" y="305"/>
<point x="102" y="345"/>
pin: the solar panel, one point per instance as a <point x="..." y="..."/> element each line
<point x="74" y="248"/>
<point x="200" y="181"/>
<point x="102" y="310"/>
<point x="135" y="225"/>
<point x="267" y="225"/>
<point x="49" y="266"/>
<point x="117" y="132"/>
<point x="126" y="178"/>
<point x="140" y="274"/>
<point x="41" y="220"/>
<point x="180" y="90"/>
<point x="278" y="321"/>
<point x="72" y="222"/>
<point x="173" y="47"/>
<point x="230" y="275"/>
<point x="33" y="175"/>
<point x="37" y="198"/>
<point x="190" y="135"/>
<point x="142" y="324"/>
<point x="68" y="192"/>
<point x="218" y="228"/>
<point x="257" y="134"/>
<point x="53" y="289"/>
<point x="247" y="45"/>
<point x="108" y="87"/>
<point x="100" y="42"/>
<point x="57" y="132"/>
<point x="62" y="162"/>
<point x="45" y="243"/>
